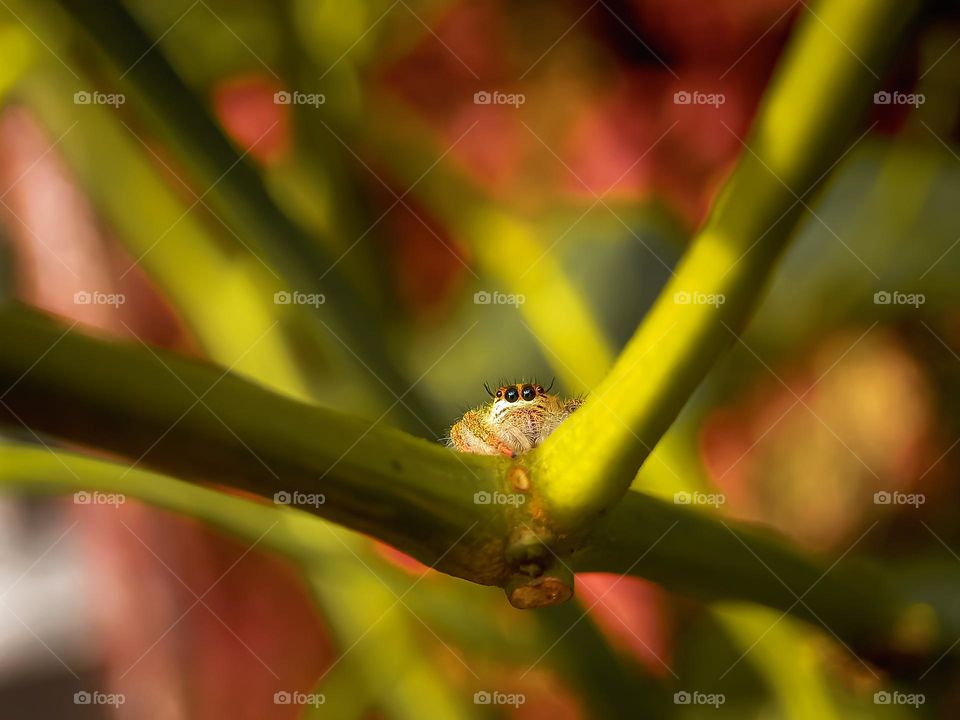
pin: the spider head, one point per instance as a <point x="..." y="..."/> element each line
<point x="511" y="398"/>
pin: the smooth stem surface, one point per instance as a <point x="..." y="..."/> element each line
<point x="554" y="309"/>
<point x="683" y="550"/>
<point x="339" y="582"/>
<point x="415" y="495"/>
<point x="236" y="192"/>
<point x="102" y="149"/>
<point x="806" y="121"/>
<point x="200" y="422"/>
<point x="692" y="553"/>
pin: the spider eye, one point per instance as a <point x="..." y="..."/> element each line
<point x="499" y="393"/>
<point x="528" y="393"/>
<point x="512" y="395"/>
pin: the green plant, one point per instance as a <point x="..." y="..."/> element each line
<point x="579" y="513"/>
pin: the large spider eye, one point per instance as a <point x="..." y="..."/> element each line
<point x="511" y="395"/>
<point x="528" y="393"/>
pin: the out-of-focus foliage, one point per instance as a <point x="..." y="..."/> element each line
<point x="470" y="242"/>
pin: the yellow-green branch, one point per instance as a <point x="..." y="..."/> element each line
<point x="416" y="495"/>
<point x="809" y="115"/>
<point x="200" y="422"/>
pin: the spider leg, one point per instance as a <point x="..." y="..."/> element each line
<point x="473" y="434"/>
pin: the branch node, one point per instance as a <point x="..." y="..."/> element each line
<point x="519" y="478"/>
<point x="553" y="587"/>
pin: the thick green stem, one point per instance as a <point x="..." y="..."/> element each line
<point x="651" y="538"/>
<point x="199" y="422"/>
<point x="233" y="188"/>
<point x="685" y="551"/>
<point x="809" y="115"/>
<point x="413" y="494"/>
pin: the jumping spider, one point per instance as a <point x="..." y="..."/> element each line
<point x="519" y="418"/>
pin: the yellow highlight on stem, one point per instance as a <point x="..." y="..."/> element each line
<point x="511" y="252"/>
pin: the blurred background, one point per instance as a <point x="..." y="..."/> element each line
<point x="377" y="207"/>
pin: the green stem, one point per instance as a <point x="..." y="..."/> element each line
<point x="323" y="551"/>
<point x="410" y="493"/>
<point x="683" y="550"/>
<point x="235" y="191"/>
<point x="99" y="151"/>
<point x="554" y="309"/>
<point x="144" y="405"/>
<point x="697" y="555"/>
<point x="585" y="468"/>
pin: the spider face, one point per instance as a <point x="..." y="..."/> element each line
<point x="516" y="400"/>
<point x="520" y="417"/>
<point x="513" y="393"/>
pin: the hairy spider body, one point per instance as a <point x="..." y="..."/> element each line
<point x="518" y="419"/>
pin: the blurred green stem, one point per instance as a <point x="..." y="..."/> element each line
<point x="198" y="421"/>
<point x="511" y="254"/>
<point x="652" y="538"/>
<point x="811" y="112"/>
<point x="413" y="494"/>
<point x="234" y="190"/>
